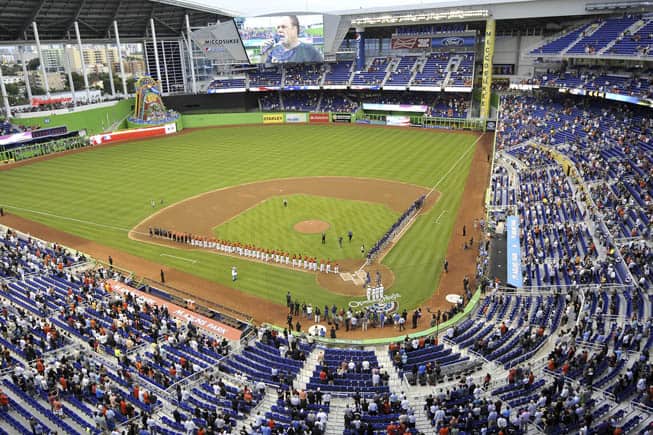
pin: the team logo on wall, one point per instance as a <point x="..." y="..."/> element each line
<point x="386" y="304"/>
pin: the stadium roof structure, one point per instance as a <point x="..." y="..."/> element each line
<point x="56" y="18"/>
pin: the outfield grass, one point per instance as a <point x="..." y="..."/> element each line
<point x="269" y="225"/>
<point x="102" y="194"/>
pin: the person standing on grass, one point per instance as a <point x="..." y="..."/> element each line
<point x="350" y="235"/>
<point x="324" y="238"/>
<point x="234" y="273"/>
<point x="285" y="202"/>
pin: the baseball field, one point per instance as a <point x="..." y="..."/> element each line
<point x="230" y="183"/>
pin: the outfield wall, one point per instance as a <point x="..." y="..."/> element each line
<point x="92" y="120"/>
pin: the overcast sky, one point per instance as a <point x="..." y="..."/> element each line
<point x="264" y="7"/>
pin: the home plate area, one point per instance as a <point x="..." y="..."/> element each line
<point x="357" y="277"/>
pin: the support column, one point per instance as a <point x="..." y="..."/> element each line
<point x="81" y="56"/>
<point x="40" y="53"/>
<point x="69" y="69"/>
<point x="488" y="55"/>
<point x="156" y="52"/>
<point x="190" y="56"/>
<point x="28" y="87"/>
<point x="5" y="97"/>
<point x="122" y="69"/>
<point x="165" y="67"/>
<point x="113" y="87"/>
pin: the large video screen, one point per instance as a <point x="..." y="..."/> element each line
<point x="283" y="38"/>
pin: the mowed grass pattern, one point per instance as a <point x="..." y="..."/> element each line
<point x="103" y="193"/>
<point x="270" y="225"/>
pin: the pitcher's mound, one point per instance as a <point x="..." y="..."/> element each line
<point x="311" y="227"/>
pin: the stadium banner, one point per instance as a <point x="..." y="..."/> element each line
<point x="409" y="43"/>
<point x="296" y="117"/>
<point x="363" y="121"/>
<point x="425" y="88"/>
<point x="453" y="41"/>
<point x="341" y="117"/>
<point x="137" y="133"/>
<point x="396" y="107"/>
<point x="490" y="125"/>
<point x="301" y="88"/>
<point x="221" y="42"/>
<point x="334" y="87"/>
<point x="178" y="312"/>
<point x="318" y="117"/>
<point x="363" y="87"/>
<point x="360" y="50"/>
<point x="647" y="102"/>
<point x="514" y="276"/>
<point x="226" y="90"/>
<point x="273" y="118"/>
<point x="15" y="138"/>
<point x="458" y="89"/>
<point x="488" y="55"/>
<point x="397" y="121"/>
<point x="264" y="88"/>
<point x="395" y="88"/>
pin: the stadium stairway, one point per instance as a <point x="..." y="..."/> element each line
<point x="336" y="423"/>
<point x="262" y="407"/>
<point x="382" y="355"/>
<point x="304" y="375"/>
<point x="592" y="29"/>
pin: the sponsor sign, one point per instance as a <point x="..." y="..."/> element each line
<point x="453" y="41"/>
<point x="514" y="276"/>
<point x="490" y="125"/>
<point x="273" y="118"/>
<point x="399" y="121"/>
<point x="180" y="313"/>
<point x="488" y="54"/>
<point x="37" y="101"/>
<point x="318" y="117"/>
<point x="410" y="43"/>
<point x="360" y="51"/>
<point x="16" y="138"/>
<point x="296" y="117"/>
<point x="341" y="117"/>
<point x="221" y="42"/>
<point x="137" y="133"/>
<point x="396" y="107"/>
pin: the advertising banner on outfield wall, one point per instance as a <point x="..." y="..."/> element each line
<point x="296" y="117"/>
<point x="318" y="117"/>
<point x="399" y="121"/>
<point x="273" y="118"/>
<point x="178" y="312"/>
<point x="341" y="117"/>
<point x="137" y="133"/>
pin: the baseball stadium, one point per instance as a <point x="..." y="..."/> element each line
<point x="310" y="218"/>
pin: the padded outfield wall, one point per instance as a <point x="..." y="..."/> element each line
<point x="93" y="120"/>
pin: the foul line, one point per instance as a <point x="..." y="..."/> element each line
<point x="81" y="221"/>
<point x="179" y="258"/>
<point x="410" y="222"/>
<point x="437" y="220"/>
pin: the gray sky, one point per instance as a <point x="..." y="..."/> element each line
<point x="263" y="7"/>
